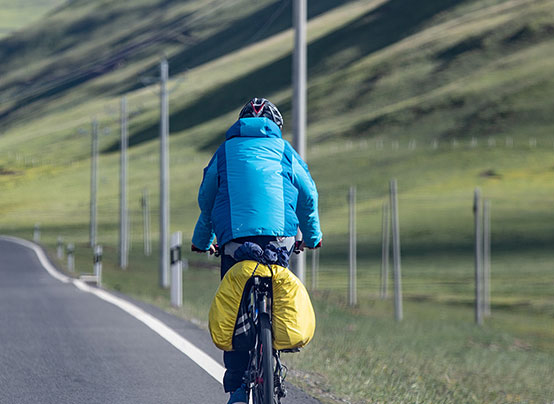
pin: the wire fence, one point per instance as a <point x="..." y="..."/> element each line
<point x="437" y="246"/>
<point x="24" y="160"/>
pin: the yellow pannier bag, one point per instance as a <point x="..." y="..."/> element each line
<point x="293" y="314"/>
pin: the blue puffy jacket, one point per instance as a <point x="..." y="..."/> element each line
<point x="256" y="184"/>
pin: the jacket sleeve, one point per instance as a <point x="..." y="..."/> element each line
<point x="307" y="206"/>
<point x="204" y="235"/>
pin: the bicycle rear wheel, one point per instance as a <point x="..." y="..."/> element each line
<point x="266" y="386"/>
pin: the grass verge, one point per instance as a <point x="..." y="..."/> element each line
<point x="361" y="355"/>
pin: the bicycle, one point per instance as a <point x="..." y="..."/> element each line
<point x="263" y="378"/>
<point x="265" y="375"/>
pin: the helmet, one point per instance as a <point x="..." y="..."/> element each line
<point x="260" y="107"/>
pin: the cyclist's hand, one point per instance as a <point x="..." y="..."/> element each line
<point x="214" y="249"/>
<point x="210" y="250"/>
<point x="299" y="246"/>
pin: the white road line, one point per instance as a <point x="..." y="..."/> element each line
<point x="202" y="359"/>
<point x="41" y="257"/>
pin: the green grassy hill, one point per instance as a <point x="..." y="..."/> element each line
<point x="444" y="95"/>
<point x="21" y="13"/>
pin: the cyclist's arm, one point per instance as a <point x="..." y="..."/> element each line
<point x="204" y="236"/>
<point x="307" y="207"/>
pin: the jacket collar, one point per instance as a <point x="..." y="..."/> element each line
<point x="254" y="127"/>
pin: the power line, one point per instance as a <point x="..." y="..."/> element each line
<point x="265" y="26"/>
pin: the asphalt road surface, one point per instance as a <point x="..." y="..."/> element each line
<point x="62" y="344"/>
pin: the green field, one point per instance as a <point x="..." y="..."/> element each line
<point x="444" y="96"/>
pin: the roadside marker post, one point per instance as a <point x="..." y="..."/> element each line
<point x="176" y="270"/>
<point x="98" y="264"/>
<point x="36" y="233"/>
<point x="59" y="251"/>
<point x="71" y="257"/>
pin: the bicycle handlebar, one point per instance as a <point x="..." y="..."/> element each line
<point x="297" y="249"/>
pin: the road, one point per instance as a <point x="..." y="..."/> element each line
<point x="63" y="344"/>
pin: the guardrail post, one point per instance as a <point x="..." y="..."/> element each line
<point x="98" y="264"/>
<point x="176" y="270"/>
<point x="71" y="257"/>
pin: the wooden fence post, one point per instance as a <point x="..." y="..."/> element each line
<point x="398" y="309"/>
<point x="486" y="257"/>
<point x="385" y="250"/>
<point x="478" y="257"/>
<point x="352" y="284"/>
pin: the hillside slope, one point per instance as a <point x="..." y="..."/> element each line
<point x="87" y="40"/>
<point x="443" y="95"/>
<point x="19" y="14"/>
<point x="395" y="69"/>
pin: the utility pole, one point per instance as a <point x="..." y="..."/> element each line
<point x="93" y="182"/>
<point x="164" y="176"/>
<point x="299" y="104"/>
<point x="123" y="215"/>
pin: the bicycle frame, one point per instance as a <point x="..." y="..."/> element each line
<point x="260" y="304"/>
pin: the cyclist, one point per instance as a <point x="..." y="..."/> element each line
<point x="256" y="188"/>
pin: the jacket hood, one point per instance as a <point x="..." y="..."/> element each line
<point x="254" y="127"/>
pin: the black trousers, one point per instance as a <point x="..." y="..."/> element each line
<point x="236" y="362"/>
